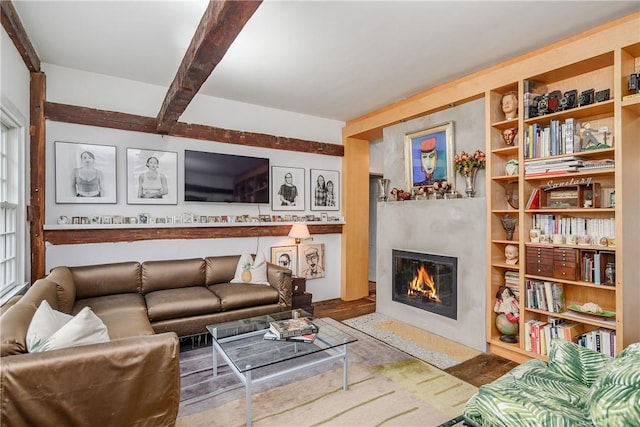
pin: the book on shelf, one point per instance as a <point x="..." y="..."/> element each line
<point x="598" y="164"/>
<point x="631" y="96"/>
<point x="534" y="199"/>
<point x="293" y="327"/>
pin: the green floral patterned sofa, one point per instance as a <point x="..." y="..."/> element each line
<point x="578" y="387"/>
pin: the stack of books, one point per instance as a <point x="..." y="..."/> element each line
<point x="552" y="166"/>
<point x="301" y="330"/>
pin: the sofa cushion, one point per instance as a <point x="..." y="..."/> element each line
<point x="241" y="295"/>
<point x="257" y="269"/>
<point x="106" y="279"/>
<point x="112" y="303"/>
<point x="126" y="323"/>
<point x="45" y="322"/>
<point x="160" y="275"/>
<point x="614" y="399"/>
<point x="13" y="333"/>
<point x="579" y="363"/>
<point x="83" y="329"/>
<point x="220" y="269"/>
<point x="181" y="302"/>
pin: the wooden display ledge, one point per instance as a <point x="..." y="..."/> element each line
<point x="79" y="234"/>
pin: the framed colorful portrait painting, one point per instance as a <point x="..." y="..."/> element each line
<point x="429" y="156"/>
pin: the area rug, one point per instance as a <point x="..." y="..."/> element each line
<point x="387" y="387"/>
<point x="424" y="345"/>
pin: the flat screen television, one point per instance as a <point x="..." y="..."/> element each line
<point x="226" y="178"/>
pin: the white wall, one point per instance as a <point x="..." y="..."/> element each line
<point x="14" y="98"/>
<point x="104" y="92"/>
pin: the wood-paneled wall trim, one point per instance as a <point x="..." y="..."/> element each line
<point x="88" y="235"/>
<point x="135" y="123"/>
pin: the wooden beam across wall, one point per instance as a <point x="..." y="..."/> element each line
<point x="220" y="25"/>
<point x="84" y="235"/>
<point x="131" y="122"/>
<point x="13" y="26"/>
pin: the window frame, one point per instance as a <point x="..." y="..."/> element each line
<point x="14" y="146"/>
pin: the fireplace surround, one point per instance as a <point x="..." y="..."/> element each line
<point x="426" y="281"/>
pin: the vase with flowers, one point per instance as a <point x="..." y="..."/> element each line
<point x="468" y="165"/>
<point x="441" y="187"/>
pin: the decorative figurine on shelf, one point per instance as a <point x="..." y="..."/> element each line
<point x="509" y="225"/>
<point x="511" y="254"/>
<point x="508" y="310"/>
<point x="509" y="105"/>
<point x="509" y="136"/>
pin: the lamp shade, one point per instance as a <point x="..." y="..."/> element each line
<point x="299" y="231"/>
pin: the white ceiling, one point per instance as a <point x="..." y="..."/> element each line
<point x="332" y="59"/>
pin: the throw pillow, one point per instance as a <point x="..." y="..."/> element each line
<point x="83" y="329"/>
<point x="45" y="322"/>
<point x="250" y="271"/>
<point x="613" y="399"/>
<point x="579" y="363"/>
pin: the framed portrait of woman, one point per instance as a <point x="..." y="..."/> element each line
<point x="325" y="190"/>
<point x="287" y="188"/>
<point x="152" y="177"/>
<point x="85" y="173"/>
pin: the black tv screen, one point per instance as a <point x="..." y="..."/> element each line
<point x="215" y="177"/>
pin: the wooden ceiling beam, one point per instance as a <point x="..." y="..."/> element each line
<point x="218" y="28"/>
<point x="13" y="26"/>
<point x="123" y="121"/>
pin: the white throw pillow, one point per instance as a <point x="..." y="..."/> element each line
<point x="46" y="321"/>
<point x="83" y="329"/>
<point x="257" y="268"/>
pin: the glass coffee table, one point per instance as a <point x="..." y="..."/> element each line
<point x="241" y="345"/>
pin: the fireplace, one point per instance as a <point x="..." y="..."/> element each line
<point x="426" y="281"/>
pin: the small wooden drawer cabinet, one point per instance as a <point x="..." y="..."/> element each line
<point x="565" y="263"/>
<point x="539" y="261"/>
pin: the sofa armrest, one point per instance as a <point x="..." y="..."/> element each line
<point x="117" y="383"/>
<point x="280" y="278"/>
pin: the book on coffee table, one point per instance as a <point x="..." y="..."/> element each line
<point x="293" y="327"/>
<point x="270" y="335"/>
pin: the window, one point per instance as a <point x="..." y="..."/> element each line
<point x="13" y="226"/>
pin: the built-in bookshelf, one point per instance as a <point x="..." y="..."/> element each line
<point x="579" y="159"/>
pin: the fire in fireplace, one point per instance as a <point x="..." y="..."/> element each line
<point x="426" y="281"/>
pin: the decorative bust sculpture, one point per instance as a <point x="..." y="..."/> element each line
<point x="511" y="254"/>
<point x="509" y="104"/>
<point x="509" y="225"/>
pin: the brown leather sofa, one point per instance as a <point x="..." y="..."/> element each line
<point x="134" y="379"/>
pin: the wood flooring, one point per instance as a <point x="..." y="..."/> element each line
<point x="478" y="371"/>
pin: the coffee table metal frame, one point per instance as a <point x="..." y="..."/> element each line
<point x="334" y="350"/>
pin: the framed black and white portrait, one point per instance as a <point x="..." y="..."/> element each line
<point x="285" y="256"/>
<point x="85" y="173"/>
<point x="287" y="188"/>
<point x="311" y="261"/>
<point x="325" y="190"/>
<point x="152" y="177"/>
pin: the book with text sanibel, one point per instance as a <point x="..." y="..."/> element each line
<point x="293" y="327"/>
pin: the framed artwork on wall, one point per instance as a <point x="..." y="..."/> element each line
<point x="325" y="190"/>
<point x="285" y="256"/>
<point x="152" y="177"/>
<point x="287" y="188"/>
<point x="311" y="261"/>
<point x="85" y="173"/>
<point x="429" y="156"/>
